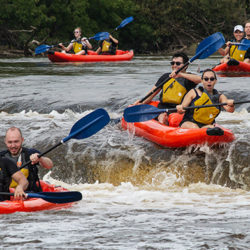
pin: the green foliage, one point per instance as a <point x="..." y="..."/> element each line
<point x="158" y="25"/>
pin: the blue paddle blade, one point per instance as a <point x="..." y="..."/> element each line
<point x="125" y="22"/>
<point x="57" y="197"/>
<point x="100" y="36"/>
<point x="141" y="113"/>
<point x="89" y="125"/>
<point x="208" y="46"/>
<point x="42" y="48"/>
<point x="244" y="45"/>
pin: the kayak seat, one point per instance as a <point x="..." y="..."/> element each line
<point x="51" y="52"/>
<point x="233" y="62"/>
<point x="121" y="52"/>
<point x="174" y="119"/>
<point x="215" y="131"/>
<point x="91" y="52"/>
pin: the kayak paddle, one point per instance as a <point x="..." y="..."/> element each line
<point x="43" y="48"/>
<point x="100" y="36"/>
<point x="53" y="197"/>
<point x="125" y="22"/>
<point x="206" y="48"/>
<point x="105" y="35"/>
<point x="243" y="45"/>
<point x="83" y="128"/>
<point x="145" y="112"/>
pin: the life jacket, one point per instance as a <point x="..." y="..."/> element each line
<point x="78" y="46"/>
<point x="108" y="47"/>
<point x="173" y="91"/>
<point x="30" y="171"/>
<point x="206" y="115"/>
<point x="237" y="54"/>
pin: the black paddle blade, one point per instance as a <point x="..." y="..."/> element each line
<point x="57" y="197"/>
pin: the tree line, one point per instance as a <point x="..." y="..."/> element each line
<point x="159" y="26"/>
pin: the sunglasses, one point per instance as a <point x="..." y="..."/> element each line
<point x="177" y="63"/>
<point x="76" y="31"/>
<point x="207" y="79"/>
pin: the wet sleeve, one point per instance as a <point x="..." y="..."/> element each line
<point x="189" y="84"/>
<point x="33" y="151"/>
<point x="10" y="166"/>
<point x="247" y="55"/>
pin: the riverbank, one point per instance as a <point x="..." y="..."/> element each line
<point x="10" y="53"/>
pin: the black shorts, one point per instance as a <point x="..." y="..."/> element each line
<point x="200" y="125"/>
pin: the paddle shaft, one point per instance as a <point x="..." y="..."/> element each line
<point x="244" y="44"/>
<point x="83" y="128"/>
<point x="53" y="197"/>
<point x="42" y="154"/>
<point x="145" y="112"/>
<point x="162" y="83"/>
<point x="71" y="135"/>
<point x="205" y="106"/>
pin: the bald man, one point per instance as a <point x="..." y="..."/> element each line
<point x="21" y="155"/>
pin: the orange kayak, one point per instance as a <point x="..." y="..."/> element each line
<point x="34" y="204"/>
<point x="176" y="137"/>
<point x="55" y="56"/>
<point x="233" y="66"/>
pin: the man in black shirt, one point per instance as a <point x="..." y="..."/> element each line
<point x="173" y="90"/>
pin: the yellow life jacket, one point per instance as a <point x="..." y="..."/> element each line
<point x="106" y="46"/>
<point x="173" y="91"/>
<point x="77" y="46"/>
<point x="237" y="54"/>
<point x="206" y="115"/>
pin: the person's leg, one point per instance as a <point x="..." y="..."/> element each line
<point x="82" y="52"/>
<point x="224" y="59"/>
<point x="163" y="118"/>
<point x="247" y="60"/>
<point x="189" y="125"/>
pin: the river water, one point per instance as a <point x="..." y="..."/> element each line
<point x="136" y="195"/>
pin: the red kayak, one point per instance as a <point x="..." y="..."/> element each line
<point x="233" y="67"/>
<point x="34" y="204"/>
<point x="176" y="137"/>
<point x="92" y="56"/>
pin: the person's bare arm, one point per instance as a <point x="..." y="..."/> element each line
<point x="186" y="101"/>
<point x="230" y="103"/>
<point x="43" y="161"/>
<point x="22" y="182"/>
